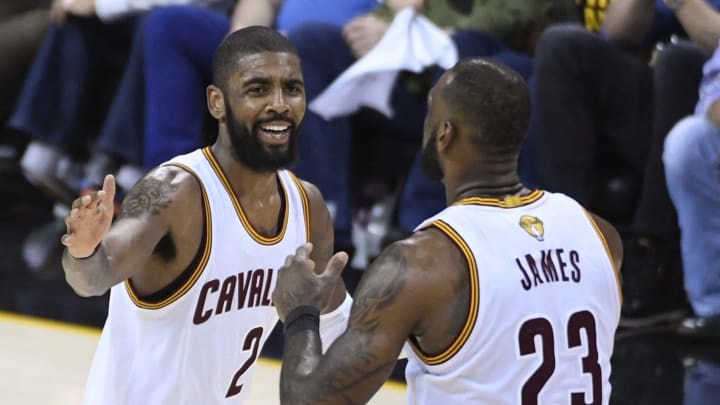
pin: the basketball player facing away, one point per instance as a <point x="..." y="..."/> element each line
<point x="508" y="296"/>
<point x="195" y="253"/>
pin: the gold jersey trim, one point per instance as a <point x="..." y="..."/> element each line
<point x="616" y="270"/>
<point x="511" y="201"/>
<point x="467" y="329"/>
<point x="239" y="209"/>
<point x="199" y="268"/>
<point x="305" y="203"/>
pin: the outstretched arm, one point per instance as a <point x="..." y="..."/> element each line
<point x="387" y="307"/>
<point x="98" y="256"/>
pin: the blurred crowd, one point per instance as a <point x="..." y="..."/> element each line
<point x="625" y="115"/>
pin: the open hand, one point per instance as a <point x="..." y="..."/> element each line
<point x="363" y="33"/>
<point x="298" y="284"/>
<point x="89" y="220"/>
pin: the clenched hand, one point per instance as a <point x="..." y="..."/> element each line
<point x="298" y="284"/>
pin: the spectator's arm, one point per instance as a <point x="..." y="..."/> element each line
<point x="114" y="9"/>
<point x="628" y="21"/>
<point x="254" y="12"/>
<point x="700" y="21"/>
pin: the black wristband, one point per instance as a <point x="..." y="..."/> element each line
<point x="304" y="317"/>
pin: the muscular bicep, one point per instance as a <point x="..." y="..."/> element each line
<point x="384" y="313"/>
<point x="130" y="243"/>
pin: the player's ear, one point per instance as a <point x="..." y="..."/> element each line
<point x="216" y="102"/>
<point x="446" y="135"/>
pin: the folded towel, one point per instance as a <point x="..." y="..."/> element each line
<point x="411" y="43"/>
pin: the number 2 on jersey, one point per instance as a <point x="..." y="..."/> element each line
<point x="252" y="340"/>
<point x="543" y="328"/>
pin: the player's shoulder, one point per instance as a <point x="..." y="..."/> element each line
<point x="315" y="198"/>
<point x="425" y="264"/>
<point x="425" y="250"/>
<point x="312" y="191"/>
<point x="172" y="178"/>
<point x="163" y="189"/>
<point x="611" y="236"/>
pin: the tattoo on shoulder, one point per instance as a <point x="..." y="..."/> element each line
<point x="378" y="296"/>
<point x="149" y="196"/>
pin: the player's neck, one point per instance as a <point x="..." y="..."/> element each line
<point x="245" y="181"/>
<point x="484" y="184"/>
<point x="486" y="191"/>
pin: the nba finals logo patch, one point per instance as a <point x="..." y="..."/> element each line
<point x="533" y="226"/>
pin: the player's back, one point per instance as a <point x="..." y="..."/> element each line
<point x="544" y="307"/>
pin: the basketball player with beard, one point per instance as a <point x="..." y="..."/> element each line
<point x="194" y="255"/>
<point x="508" y="296"/>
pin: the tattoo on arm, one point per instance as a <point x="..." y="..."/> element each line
<point x="149" y="196"/>
<point x="375" y="298"/>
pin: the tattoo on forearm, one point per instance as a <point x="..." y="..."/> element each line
<point x="150" y="196"/>
<point x="334" y="386"/>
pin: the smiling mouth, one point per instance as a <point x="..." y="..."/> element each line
<point x="275" y="133"/>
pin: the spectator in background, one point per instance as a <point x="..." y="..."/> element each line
<point x="22" y="27"/>
<point x="178" y="61"/>
<point x="692" y="167"/>
<point x="602" y="108"/>
<point x="84" y="51"/>
<point x="326" y="51"/>
<point x="176" y="46"/>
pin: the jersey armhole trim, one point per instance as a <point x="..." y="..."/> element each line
<point x="305" y="203"/>
<point x="203" y="255"/>
<point x="616" y="271"/>
<point x="469" y="326"/>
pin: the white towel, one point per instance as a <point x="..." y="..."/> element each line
<point x="411" y="43"/>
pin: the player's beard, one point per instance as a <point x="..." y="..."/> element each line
<point x="250" y="151"/>
<point x="430" y="160"/>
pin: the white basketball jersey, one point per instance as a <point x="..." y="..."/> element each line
<point x="544" y="307"/>
<point x="199" y="345"/>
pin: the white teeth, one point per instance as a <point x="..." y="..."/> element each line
<point x="275" y="128"/>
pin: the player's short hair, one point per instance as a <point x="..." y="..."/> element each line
<point x="492" y="99"/>
<point x="246" y="41"/>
